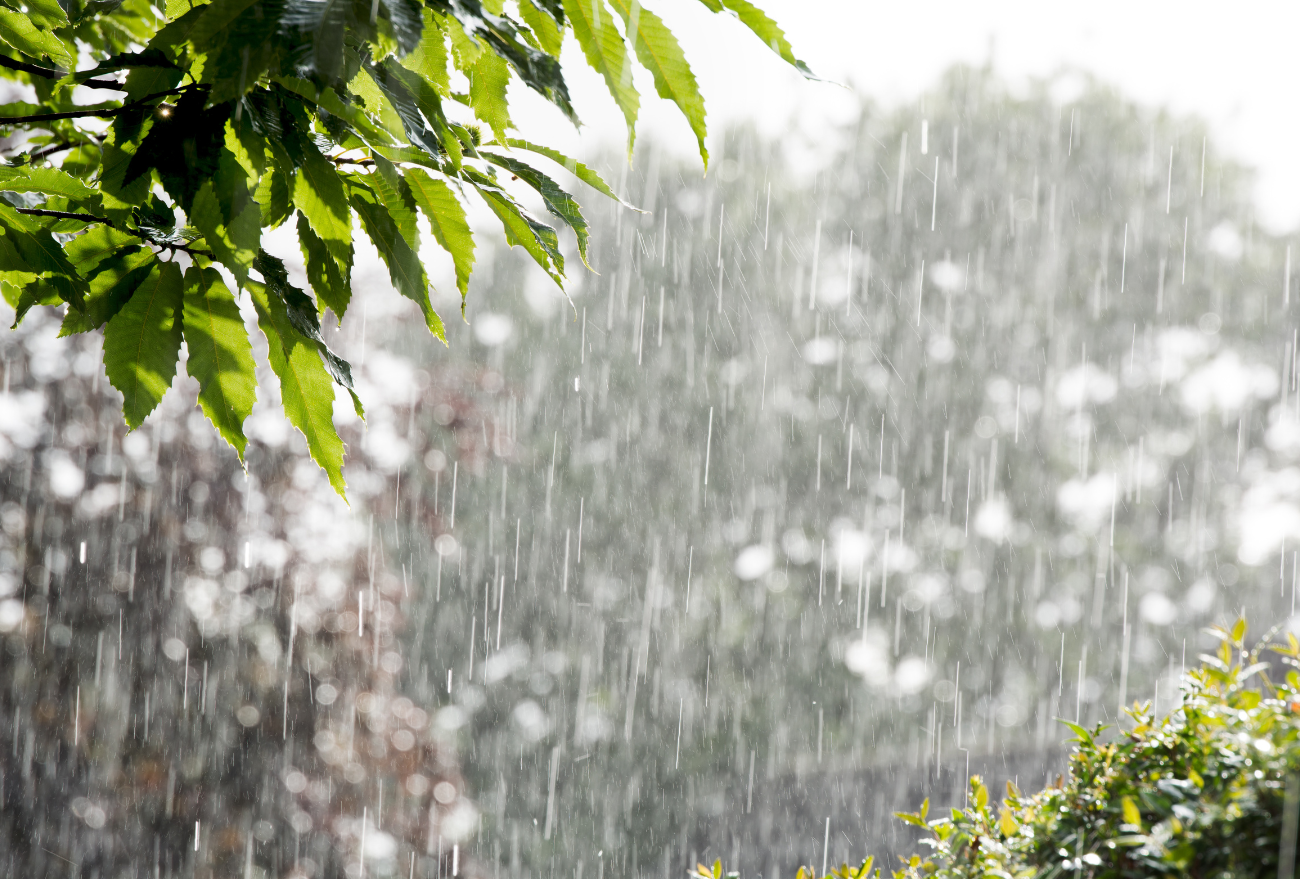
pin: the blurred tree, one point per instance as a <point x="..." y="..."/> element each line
<point x="842" y="469"/>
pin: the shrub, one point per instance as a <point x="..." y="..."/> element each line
<point x="1212" y="789"/>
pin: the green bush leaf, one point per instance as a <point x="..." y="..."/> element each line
<point x="593" y="25"/>
<point x="220" y="354"/>
<point x="447" y="219"/>
<point x="143" y="341"/>
<point x="306" y="389"/>
<point x="659" y="52"/>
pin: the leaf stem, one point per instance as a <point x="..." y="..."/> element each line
<point x="91" y="218"/>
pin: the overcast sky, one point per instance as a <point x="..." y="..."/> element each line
<point x="1226" y="63"/>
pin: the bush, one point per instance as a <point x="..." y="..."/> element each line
<point x="1213" y="789"/>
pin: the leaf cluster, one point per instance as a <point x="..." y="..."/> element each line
<point x="145" y="182"/>
<point x="1211" y="789"/>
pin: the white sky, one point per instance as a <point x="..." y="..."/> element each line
<point x="1224" y="62"/>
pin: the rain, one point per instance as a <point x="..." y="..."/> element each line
<point x="832" y="486"/>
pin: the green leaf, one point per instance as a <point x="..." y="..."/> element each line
<point x="464" y="48"/>
<point x="215" y="18"/>
<point x="23" y="298"/>
<point x="306" y="389"/>
<point x="1239" y="631"/>
<point x="522" y="228"/>
<point x="120" y="192"/>
<point x="144" y="81"/>
<point x="1081" y="734"/>
<point x="405" y="23"/>
<point x="331" y="282"/>
<point x="95" y="245"/>
<point x="322" y="29"/>
<point x="1131" y="813"/>
<point x="659" y="52"/>
<point x="574" y="167"/>
<point x="273" y="191"/>
<point x="304" y="317"/>
<point x="550" y="35"/>
<point x="318" y="193"/>
<point x="22" y="33"/>
<point x="112" y="283"/>
<point x="447" y="220"/>
<point x="487" y="92"/>
<point x="429" y="59"/>
<point x="38" y="250"/>
<point x="404" y="267"/>
<point x="47" y="181"/>
<point x="143" y="341"/>
<point x="766" y="30"/>
<point x="601" y="43"/>
<point x="221" y="356"/>
<point x="558" y="202"/>
<point x="397" y="199"/>
<point x="234" y="246"/>
<point x="46" y="14"/>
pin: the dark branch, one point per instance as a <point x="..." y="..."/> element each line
<point x="49" y="151"/>
<point x="53" y="73"/>
<point x="72" y="114"/>
<point x="102" y="113"/>
<point x="45" y="72"/>
<point x="65" y="215"/>
<point x="91" y="218"/>
<point x="106" y="84"/>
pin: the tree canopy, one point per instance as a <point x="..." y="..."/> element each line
<point x="154" y="147"/>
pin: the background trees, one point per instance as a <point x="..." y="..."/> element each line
<point x="916" y="442"/>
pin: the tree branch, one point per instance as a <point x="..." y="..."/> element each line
<point x="102" y="113"/>
<point x="44" y="72"/>
<point x="49" y="151"/>
<point x="55" y="73"/>
<point x="91" y="218"/>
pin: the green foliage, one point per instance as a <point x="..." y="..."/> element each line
<point x="229" y="118"/>
<point x="1211" y="789"/>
